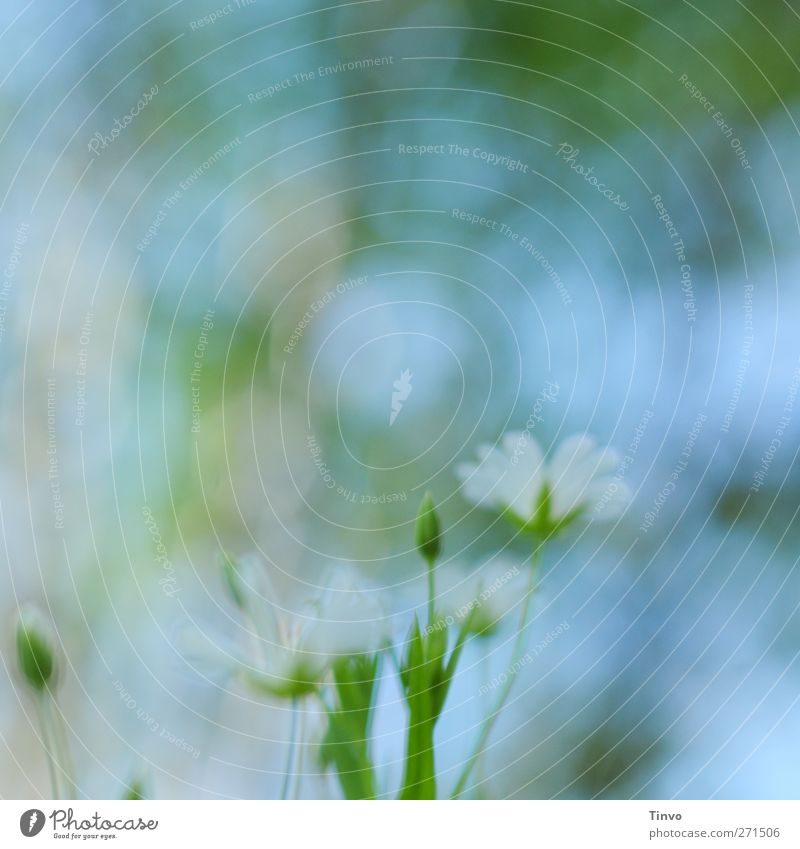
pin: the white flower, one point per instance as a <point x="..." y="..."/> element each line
<point x="545" y="495"/>
<point x="289" y="654"/>
<point x="350" y="616"/>
<point x="483" y="597"/>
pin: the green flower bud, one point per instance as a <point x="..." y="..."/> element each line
<point x="35" y="650"/>
<point x="428" y="535"/>
<point x="233" y="581"/>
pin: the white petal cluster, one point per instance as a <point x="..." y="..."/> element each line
<point x="350" y="616"/>
<point x="289" y="653"/>
<point x="545" y="494"/>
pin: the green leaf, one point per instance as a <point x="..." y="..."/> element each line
<point x="346" y="744"/>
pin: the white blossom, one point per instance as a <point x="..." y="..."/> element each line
<point x="288" y="654"/>
<point x="350" y="616"/>
<point x="544" y="495"/>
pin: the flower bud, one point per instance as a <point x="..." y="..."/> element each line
<point x="35" y="650"/>
<point x="428" y="535"/>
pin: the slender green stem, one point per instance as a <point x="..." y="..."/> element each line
<point x="290" y="755"/>
<point x="62" y="749"/>
<point x="47" y="744"/>
<point x="300" y="750"/>
<point x="519" y="644"/>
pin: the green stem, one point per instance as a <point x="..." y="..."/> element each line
<point x="299" y="771"/>
<point x="431" y="594"/>
<point x="420" y="778"/>
<point x="47" y="744"/>
<point x="519" y="644"/>
<point x="290" y="755"/>
<point x="428" y="677"/>
<point x="62" y="748"/>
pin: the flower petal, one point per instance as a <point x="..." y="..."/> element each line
<point x="509" y="477"/>
<point x="576" y="464"/>
<point x="524" y="475"/>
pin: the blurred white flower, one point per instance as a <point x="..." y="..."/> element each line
<point x="541" y="495"/>
<point x="483" y="597"/>
<point x="289" y="654"/>
<point x="351" y="618"/>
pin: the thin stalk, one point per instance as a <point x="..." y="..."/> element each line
<point x="46" y="731"/>
<point x="419" y="779"/>
<point x="300" y="750"/>
<point x="519" y="644"/>
<point x="290" y="755"/>
<point x="62" y="749"/>
<point x="431" y="594"/>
